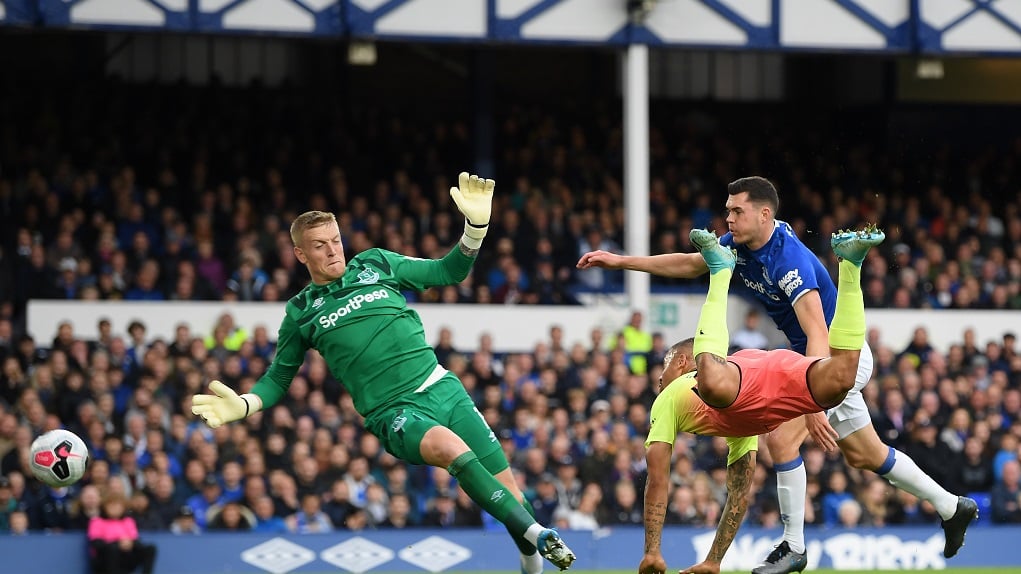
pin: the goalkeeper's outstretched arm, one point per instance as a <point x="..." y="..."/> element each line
<point x="474" y="199"/>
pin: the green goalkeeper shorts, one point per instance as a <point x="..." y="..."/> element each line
<point x="401" y="425"/>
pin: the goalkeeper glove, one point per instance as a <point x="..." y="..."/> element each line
<point x="474" y="198"/>
<point x="225" y="406"/>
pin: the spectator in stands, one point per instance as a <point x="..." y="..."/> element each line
<point x="625" y="508"/>
<point x="750" y="335"/>
<point x="398" y="514"/>
<point x="584" y="517"/>
<point x="443" y="511"/>
<point x="310" y="518"/>
<point x="184" y="522"/>
<point x="976" y="470"/>
<point x="265" y="521"/>
<point x="8" y="504"/>
<point x="1006" y="495"/>
<point x="637" y="343"/>
<point x="444" y="348"/>
<point x="836" y="495"/>
<point x="114" y="543"/>
<point x="211" y="495"/>
<point x="146" y="517"/>
<point x="231" y="517"/>
<point x="19" y="524"/>
<point x="87" y="507"/>
<point x="849" y="513"/>
<point x="52" y="509"/>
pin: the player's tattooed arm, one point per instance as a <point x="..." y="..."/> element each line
<point x="739" y="485"/>
<point x="467" y="251"/>
<point x="657" y="458"/>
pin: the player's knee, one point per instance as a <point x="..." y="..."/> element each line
<point x="439" y="446"/>
<point x="845" y="370"/>
<point x="780" y="442"/>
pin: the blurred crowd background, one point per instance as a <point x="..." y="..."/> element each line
<point x="139" y="193"/>
<point x="129" y="192"/>
<point x="571" y="416"/>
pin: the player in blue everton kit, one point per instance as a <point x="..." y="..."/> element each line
<point x="780" y="273"/>
<point x="776" y="269"/>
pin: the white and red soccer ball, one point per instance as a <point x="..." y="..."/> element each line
<point x="59" y="458"/>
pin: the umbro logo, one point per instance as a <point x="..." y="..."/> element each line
<point x="497" y="495"/>
<point x="317" y="303"/>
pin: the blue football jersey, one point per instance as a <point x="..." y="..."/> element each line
<point x="778" y="274"/>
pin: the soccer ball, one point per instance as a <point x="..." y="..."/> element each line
<point x="59" y="458"/>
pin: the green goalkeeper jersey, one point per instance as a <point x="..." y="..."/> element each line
<point x="373" y="343"/>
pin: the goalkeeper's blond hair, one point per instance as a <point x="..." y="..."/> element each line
<point x="309" y="220"/>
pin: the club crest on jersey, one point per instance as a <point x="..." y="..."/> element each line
<point x="398" y="423"/>
<point x="368" y="276"/>
<point x="317" y="303"/>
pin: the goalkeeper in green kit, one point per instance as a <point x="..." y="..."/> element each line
<point x="353" y="313"/>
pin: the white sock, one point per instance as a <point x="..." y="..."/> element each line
<point x="906" y="475"/>
<point x="791" y="490"/>
<point x="531" y="563"/>
<point x="532" y="534"/>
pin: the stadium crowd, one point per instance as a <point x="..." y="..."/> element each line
<point x="571" y="417"/>
<point x="201" y="213"/>
<point x="192" y="215"/>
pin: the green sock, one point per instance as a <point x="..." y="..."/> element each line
<point x="847" y="330"/>
<point x="524" y="546"/>
<point x="712" y="335"/>
<point x="488" y="493"/>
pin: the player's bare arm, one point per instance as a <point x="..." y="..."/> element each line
<point x="739" y="485"/>
<point x="657" y="487"/>
<point x="808" y="310"/>
<point x="678" y="265"/>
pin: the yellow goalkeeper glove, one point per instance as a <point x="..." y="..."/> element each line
<point x="474" y="198"/>
<point x="225" y="405"/>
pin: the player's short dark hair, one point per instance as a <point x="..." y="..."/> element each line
<point x="759" y="190"/>
<point x="687" y="346"/>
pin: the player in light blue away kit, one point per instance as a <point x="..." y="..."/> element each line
<point x="776" y="269"/>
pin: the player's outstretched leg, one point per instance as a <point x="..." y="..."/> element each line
<point x="846" y="337"/>
<point x="712" y="338"/>
<point x="957" y="511"/>
<point x="847" y="329"/>
<point x="494" y="498"/>
<point x="711" y="335"/>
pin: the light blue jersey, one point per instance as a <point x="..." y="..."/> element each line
<point x="778" y="274"/>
